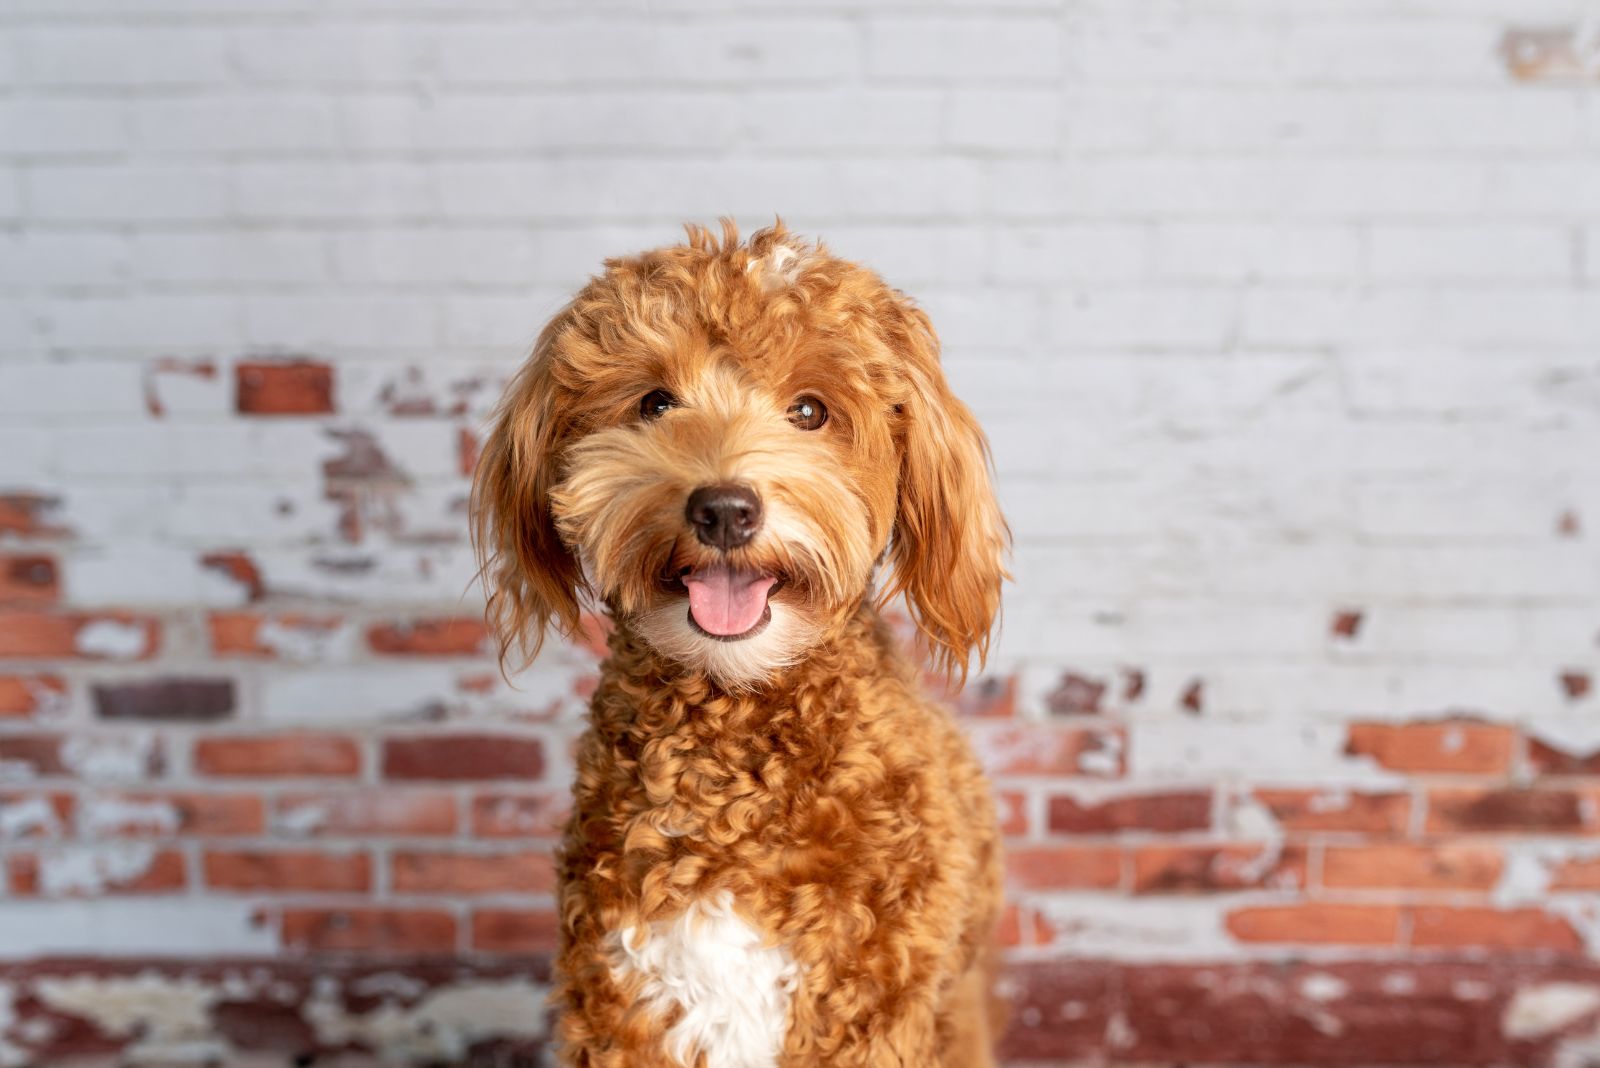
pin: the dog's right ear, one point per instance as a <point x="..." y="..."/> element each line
<point x="531" y="578"/>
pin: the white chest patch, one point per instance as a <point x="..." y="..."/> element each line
<point x="732" y="992"/>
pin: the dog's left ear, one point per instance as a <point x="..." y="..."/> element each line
<point x="532" y="579"/>
<point x="949" y="543"/>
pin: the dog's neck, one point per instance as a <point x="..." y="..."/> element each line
<point x="856" y="648"/>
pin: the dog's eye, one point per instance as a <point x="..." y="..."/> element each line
<point x="656" y="403"/>
<point x="808" y="413"/>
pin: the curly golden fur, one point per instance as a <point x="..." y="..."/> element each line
<point x="780" y="853"/>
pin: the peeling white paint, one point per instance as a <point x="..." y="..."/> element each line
<point x="442" y="1025"/>
<point x="102" y="815"/>
<point x="1119" y="928"/>
<point x="1247" y="817"/>
<point x="1322" y="987"/>
<point x="1104" y="757"/>
<point x="111" y="639"/>
<point x="1398" y="983"/>
<point x="28" y="816"/>
<point x="110" y="756"/>
<point x="305" y="818"/>
<point x="10" y="1055"/>
<point x="1537" y="1011"/>
<point x="91" y="870"/>
<point x="1119" y="1033"/>
<point x="307" y="642"/>
<point x="170" y="1017"/>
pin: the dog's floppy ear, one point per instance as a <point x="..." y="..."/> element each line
<point x="949" y="540"/>
<point x="532" y="579"/>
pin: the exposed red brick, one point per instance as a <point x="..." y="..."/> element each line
<point x="392" y="930"/>
<point x="1568" y="525"/>
<point x="1337" y="810"/>
<point x="468" y="449"/>
<point x="1546" y="54"/>
<point x="1169" y="811"/>
<point x="33" y="754"/>
<point x="165" y="874"/>
<point x="49" y="635"/>
<point x="161" y="814"/>
<point x="283" y="387"/>
<point x="28" y="579"/>
<point x="1440" y="1013"/>
<point x="28" y="515"/>
<point x="384" y="812"/>
<point x="1460" y="927"/>
<point x="258" y="870"/>
<point x="1011" y="810"/>
<point x="173" y="700"/>
<point x="463" y="757"/>
<point x="35" y="815"/>
<point x="1168" y="869"/>
<point x="514" y="930"/>
<point x="989" y="697"/>
<point x="1346" y="624"/>
<point x="1549" y="759"/>
<point x="1050" y="749"/>
<point x="1064" y="867"/>
<point x="1062" y="1013"/>
<point x="1193" y="698"/>
<point x="302" y="754"/>
<point x="1316" y="924"/>
<point x="1576" y="685"/>
<point x="434" y="872"/>
<point x="1576" y="873"/>
<point x="24" y="695"/>
<point x="430" y="637"/>
<point x="1536" y="811"/>
<point x="238" y="566"/>
<point x="1460" y="747"/>
<point x="520" y="815"/>
<point x="1408" y="866"/>
<point x="1076" y="695"/>
<point x="240" y="633"/>
<point x="1132" y="684"/>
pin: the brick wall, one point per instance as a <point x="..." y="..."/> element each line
<point x="1284" y="320"/>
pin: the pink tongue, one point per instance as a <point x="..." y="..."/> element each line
<point x="726" y="602"/>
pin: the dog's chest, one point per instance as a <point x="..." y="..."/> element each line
<point x="730" y="991"/>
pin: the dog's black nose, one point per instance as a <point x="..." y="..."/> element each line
<point x="724" y="516"/>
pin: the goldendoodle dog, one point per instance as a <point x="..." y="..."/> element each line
<point x="780" y="853"/>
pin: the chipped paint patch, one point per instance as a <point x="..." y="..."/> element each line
<point x="1537" y="1011"/>
<point x="101" y="815"/>
<point x="445" y="1024"/>
<point x="1322" y="987"/>
<point x="94" y="869"/>
<point x="10" y="1055"/>
<point x="168" y="1018"/>
<point x="111" y="639"/>
<point x="111" y="756"/>
<point x="29" y="816"/>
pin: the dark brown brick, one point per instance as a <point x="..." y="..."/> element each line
<point x="172" y="700"/>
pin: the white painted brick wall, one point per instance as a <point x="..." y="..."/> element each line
<point x="1273" y="310"/>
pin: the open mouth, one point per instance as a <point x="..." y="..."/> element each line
<point x="728" y="603"/>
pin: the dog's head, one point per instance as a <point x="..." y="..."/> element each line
<point x="722" y="441"/>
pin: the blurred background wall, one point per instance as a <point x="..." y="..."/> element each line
<point x="1283" y="317"/>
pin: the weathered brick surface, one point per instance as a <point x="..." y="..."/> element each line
<point x="1283" y="324"/>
